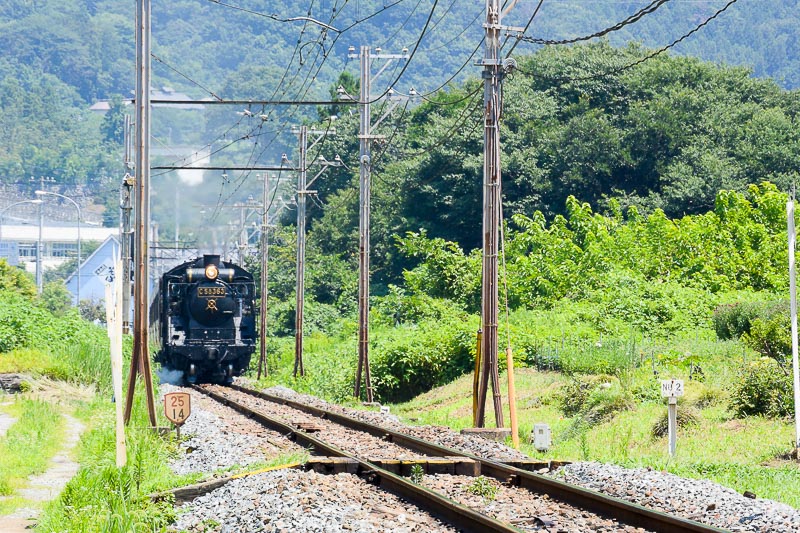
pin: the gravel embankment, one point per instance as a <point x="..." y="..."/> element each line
<point x="441" y="435"/>
<point x="294" y="501"/>
<point x="700" y="500"/>
<point x="217" y="437"/>
<point x="297" y="501"/>
<point x="358" y="443"/>
<point x="519" y="507"/>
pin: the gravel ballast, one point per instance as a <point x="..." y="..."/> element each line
<point x="696" y="499"/>
<point x="295" y="501"/>
<point x="221" y="438"/>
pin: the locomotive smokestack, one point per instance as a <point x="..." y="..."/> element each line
<point x="210" y="259"/>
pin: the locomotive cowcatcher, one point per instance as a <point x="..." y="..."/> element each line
<point x="204" y="321"/>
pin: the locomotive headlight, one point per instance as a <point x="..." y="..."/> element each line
<point x="212" y="272"/>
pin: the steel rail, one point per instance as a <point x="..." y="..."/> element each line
<point x="453" y="513"/>
<point x="621" y="510"/>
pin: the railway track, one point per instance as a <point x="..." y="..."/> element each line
<point x="384" y="458"/>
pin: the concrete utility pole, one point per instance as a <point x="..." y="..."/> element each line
<point x="493" y="73"/>
<point x="302" y="191"/>
<point x="125" y="233"/>
<point x="262" y="360"/>
<point x="365" y="167"/>
<point x="39" y="242"/>
<point x="140" y="359"/>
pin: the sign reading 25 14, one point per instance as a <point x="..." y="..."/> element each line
<point x="177" y="407"/>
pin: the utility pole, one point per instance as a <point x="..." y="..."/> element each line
<point x="40" y="243"/>
<point x="126" y="235"/>
<point x="39" y="274"/>
<point x="302" y="192"/>
<point x="262" y="360"/>
<point x="140" y="358"/>
<point x="493" y="73"/>
<point x="365" y="168"/>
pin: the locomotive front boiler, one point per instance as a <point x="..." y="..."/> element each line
<point x="205" y="321"/>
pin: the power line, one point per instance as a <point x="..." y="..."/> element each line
<point x="617" y="70"/>
<point x="275" y="17"/>
<point x="650" y="8"/>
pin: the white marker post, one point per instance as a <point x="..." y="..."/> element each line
<point x="793" y="299"/>
<point x="114" y="323"/>
<point x="672" y="388"/>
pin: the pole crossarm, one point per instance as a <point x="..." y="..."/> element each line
<point x="247" y="168"/>
<point x="162" y="102"/>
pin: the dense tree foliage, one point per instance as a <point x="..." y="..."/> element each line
<point x="663" y="137"/>
<point x="61" y="56"/>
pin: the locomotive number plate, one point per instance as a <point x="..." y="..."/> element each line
<point x="177" y="407"/>
<point x="211" y="291"/>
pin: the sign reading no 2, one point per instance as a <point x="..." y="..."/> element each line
<point x="672" y="388"/>
<point x="177" y="407"/>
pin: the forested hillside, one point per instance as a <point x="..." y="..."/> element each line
<point x="652" y="136"/>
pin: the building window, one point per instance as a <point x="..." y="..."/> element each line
<point x="65" y="249"/>
<point x="27" y="250"/>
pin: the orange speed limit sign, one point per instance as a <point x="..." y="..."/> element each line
<point x="177" y="407"/>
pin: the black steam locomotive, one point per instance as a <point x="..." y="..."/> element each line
<point x="204" y="320"/>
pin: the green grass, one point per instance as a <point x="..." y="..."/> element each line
<point x="102" y="497"/>
<point x="738" y="453"/>
<point x="29" y="444"/>
<point x="28" y="360"/>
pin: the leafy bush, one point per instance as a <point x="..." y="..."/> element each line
<point x="317" y="317"/>
<point x="763" y="388"/>
<point x="398" y="307"/>
<point x="56" y="298"/>
<point x="731" y="321"/>
<point x="687" y="416"/>
<point x="16" y="280"/>
<point x="413" y="359"/>
<point x="771" y="334"/>
<point x="20" y="320"/>
<point x="574" y="395"/>
<point x="596" y="400"/>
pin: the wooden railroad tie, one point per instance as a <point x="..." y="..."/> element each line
<point x="309" y="427"/>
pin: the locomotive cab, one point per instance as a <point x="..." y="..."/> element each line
<point x="207" y="322"/>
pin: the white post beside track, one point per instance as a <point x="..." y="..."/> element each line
<point x="793" y="298"/>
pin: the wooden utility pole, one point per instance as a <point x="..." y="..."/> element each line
<point x="493" y="73"/>
<point x="140" y="359"/>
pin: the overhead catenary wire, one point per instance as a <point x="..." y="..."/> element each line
<point x="631" y="19"/>
<point x="617" y="70"/>
<point x="405" y="66"/>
